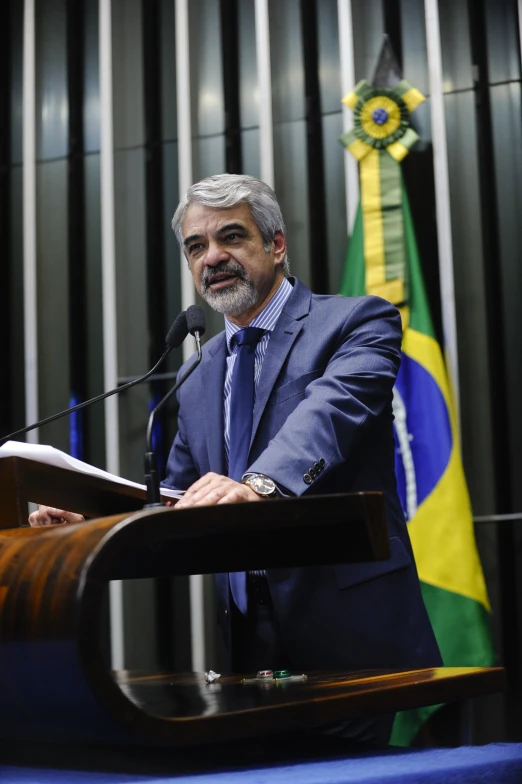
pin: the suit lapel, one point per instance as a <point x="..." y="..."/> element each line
<point x="213" y="369"/>
<point x="287" y="328"/>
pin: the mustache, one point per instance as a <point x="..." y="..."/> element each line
<point x="224" y="268"/>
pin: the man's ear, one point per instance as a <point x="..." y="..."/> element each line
<point x="279" y="244"/>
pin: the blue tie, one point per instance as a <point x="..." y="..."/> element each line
<point x="240" y="429"/>
<point x="242" y="401"/>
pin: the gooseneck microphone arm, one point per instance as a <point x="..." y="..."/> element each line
<point x="196" y="326"/>
<point x="171" y="392"/>
<point x="172" y="341"/>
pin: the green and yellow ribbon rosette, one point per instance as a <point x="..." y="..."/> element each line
<point x="381" y="137"/>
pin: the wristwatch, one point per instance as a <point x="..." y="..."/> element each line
<point x="262" y="485"/>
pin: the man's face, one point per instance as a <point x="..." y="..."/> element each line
<point x="232" y="270"/>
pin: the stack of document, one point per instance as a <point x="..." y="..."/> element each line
<point x="42" y="453"/>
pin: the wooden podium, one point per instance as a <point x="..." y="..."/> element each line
<point x="54" y="683"/>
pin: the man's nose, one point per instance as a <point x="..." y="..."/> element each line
<point x="216" y="253"/>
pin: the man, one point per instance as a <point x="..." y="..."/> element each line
<point x="319" y="420"/>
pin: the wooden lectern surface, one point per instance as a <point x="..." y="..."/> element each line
<point x="186" y="709"/>
<point x="53" y="581"/>
<point x="55" y="685"/>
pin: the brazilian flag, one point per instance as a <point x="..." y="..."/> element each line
<point x="430" y="477"/>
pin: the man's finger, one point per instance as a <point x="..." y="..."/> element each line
<point x="71" y="517"/>
<point x="224" y="492"/>
<point x="38" y="518"/>
<point x="201" y="488"/>
<point x="240" y="494"/>
<point x="202" y="483"/>
<point x="212" y="497"/>
<point x="207" y="495"/>
<point x="49" y="515"/>
<point x="43" y="517"/>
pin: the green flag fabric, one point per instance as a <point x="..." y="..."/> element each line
<point x="430" y="478"/>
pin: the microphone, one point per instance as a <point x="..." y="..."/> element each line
<point x="178" y="331"/>
<point x="195" y="321"/>
<point x="175" y="337"/>
<point x="195" y="324"/>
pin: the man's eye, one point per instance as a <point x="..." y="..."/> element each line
<point x="195" y="248"/>
<point x="232" y="237"/>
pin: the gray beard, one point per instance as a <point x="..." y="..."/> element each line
<point x="230" y="301"/>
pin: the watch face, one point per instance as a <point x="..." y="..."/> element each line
<point x="262" y="484"/>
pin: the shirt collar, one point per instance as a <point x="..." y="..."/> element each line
<point x="267" y="318"/>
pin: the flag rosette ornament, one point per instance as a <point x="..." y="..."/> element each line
<point x="380" y="139"/>
<point x="382" y="119"/>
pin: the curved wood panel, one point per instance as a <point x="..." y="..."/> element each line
<point x="54" y="684"/>
<point x="187" y="708"/>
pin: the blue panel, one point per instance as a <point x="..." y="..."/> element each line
<point x="494" y="763"/>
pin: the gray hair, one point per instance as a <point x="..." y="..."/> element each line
<point x="222" y="191"/>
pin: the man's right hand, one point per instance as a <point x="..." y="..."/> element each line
<point x="48" y="515"/>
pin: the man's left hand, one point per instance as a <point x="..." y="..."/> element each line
<point x="213" y="489"/>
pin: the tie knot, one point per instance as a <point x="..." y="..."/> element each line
<point x="249" y="336"/>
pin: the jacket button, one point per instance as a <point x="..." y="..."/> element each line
<point x="318" y="468"/>
<point x="311" y="471"/>
<point x="308" y="479"/>
<point x="322" y="462"/>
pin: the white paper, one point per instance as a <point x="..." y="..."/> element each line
<point x="42" y="453"/>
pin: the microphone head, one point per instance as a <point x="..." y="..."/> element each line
<point x="195" y="320"/>
<point x="178" y="331"/>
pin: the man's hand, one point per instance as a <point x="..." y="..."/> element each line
<point x="213" y="489"/>
<point x="48" y="515"/>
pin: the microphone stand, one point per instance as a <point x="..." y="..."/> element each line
<point x="175" y="337"/>
<point x="152" y="481"/>
<point x="87" y="402"/>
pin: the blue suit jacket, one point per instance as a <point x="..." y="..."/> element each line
<point x="325" y="391"/>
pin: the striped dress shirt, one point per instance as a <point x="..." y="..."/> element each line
<point x="265" y="320"/>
